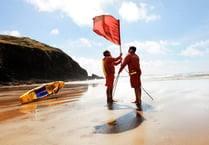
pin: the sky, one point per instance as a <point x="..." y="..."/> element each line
<point x="171" y="36"/>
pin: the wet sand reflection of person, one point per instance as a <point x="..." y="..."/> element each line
<point x="124" y="123"/>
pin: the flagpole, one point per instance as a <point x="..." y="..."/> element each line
<point x="115" y="84"/>
<point x="119" y="35"/>
<point x="116" y="79"/>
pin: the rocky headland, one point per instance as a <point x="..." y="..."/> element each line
<point x="23" y="60"/>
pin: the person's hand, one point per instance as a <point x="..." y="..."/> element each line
<point x="121" y="56"/>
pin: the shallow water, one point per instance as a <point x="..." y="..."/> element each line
<point x="78" y="114"/>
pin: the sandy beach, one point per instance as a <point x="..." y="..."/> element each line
<point x="79" y="115"/>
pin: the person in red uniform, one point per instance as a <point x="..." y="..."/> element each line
<point x="109" y="64"/>
<point x="133" y="62"/>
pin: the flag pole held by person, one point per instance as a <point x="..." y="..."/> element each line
<point x="108" y="27"/>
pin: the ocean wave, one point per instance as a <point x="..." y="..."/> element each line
<point x="179" y="76"/>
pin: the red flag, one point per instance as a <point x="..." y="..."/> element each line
<point x="108" y="27"/>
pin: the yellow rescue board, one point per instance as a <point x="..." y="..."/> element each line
<point x="41" y="91"/>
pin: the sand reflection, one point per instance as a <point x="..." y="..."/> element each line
<point x="11" y="107"/>
<point x="124" y="123"/>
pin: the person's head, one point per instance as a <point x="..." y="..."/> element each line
<point x="132" y="49"/>
<point x="106" y="53"/>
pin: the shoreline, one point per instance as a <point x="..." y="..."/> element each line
<point x="42" y="81"/>
<point x="149" y="77"/>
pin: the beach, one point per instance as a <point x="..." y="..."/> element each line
<point x="79" y="114"/>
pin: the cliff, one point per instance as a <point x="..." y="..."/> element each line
<point x="25" y="60"/>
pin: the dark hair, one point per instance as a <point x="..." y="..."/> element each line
<point x="106" y="53"/>
<point x="133" y="48"/>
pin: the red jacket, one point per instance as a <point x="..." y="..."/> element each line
<point x="133" y="62"/>
<point x="109" y="64"/>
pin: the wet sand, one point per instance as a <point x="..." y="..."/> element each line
<point x="79" y="115"/>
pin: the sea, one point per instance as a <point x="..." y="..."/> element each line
<point x="177" y="76"/>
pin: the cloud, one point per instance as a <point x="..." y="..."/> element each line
<point x="85" y="42"/>
<point x="148" y="66"/>
<point x="153" y="47"/>
<point x="13" y="33"/>
<point x="153" y="66"/>
<point x="160" y="66"/>
<point x="86" y="63"/>
<point x="54" y="32"/>
<point x="131" y="12"/>
<point x="81" y="11"/>
<point x="82" y="42"/>
<point x="197" y="49"/>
